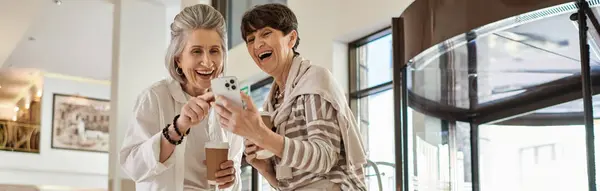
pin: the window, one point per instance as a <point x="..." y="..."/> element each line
<point x="372" y="102"/>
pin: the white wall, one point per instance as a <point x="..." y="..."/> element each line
<point x="57" y="166"/>
<point x="325" y="28"/>
<point x="139" y="46"/>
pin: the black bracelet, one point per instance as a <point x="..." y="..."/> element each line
<point x="165" y="133"/>
<point x="177" y="128"/>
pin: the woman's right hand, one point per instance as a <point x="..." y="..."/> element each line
<point x="262" y="165"/>
<point x="194" y="111"/>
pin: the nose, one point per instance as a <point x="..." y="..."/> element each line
<point x="258" y="43"/>
<point x="205" y="60"/>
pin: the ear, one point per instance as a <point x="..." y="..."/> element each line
<point x="293" y="38"/>
<point x="178" y="61"/>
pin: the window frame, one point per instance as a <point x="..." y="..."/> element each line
<point x="353" y="89"/>
<point x="355" y="93"/>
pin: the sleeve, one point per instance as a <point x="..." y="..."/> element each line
<point x="236" y="145"/>
<point x="319" y="152"/>
<point x="139" y="155"/>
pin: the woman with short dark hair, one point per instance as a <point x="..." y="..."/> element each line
<point x="316" y="143"/>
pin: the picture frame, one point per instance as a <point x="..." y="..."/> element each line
<point x="80" y="123"/>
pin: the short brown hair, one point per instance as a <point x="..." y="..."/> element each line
<point x="274" y="15"/>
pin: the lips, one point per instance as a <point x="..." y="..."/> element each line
<point x="264" y="55"/>
<point x="205" y="72"/>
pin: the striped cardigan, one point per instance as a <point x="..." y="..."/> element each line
<point x="313" y="147"/>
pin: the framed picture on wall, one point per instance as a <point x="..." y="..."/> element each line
<point x="80" y="123"/>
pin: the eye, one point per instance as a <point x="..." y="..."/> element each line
<point x="251" y="39"/>
<point x="266" y="34"/>
<point x="197" y="51"/>
<point x="214" y="51"/>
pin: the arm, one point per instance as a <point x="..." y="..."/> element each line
<point x="321" y="151"/>
<point x="269" y="175"/>
<point x="144" y="153"/>
<point x="236" y="145"/>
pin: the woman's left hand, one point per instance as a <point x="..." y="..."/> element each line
<point x="226" y="176"/>
<point x="243" y="122"/>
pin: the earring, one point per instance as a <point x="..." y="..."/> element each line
<point x="178" y="70"/>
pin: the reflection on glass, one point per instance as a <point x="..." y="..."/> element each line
<point x="430" y="154"/>
<point x="524" y="158"/>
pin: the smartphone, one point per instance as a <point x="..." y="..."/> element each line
<point x="228" y="87"/>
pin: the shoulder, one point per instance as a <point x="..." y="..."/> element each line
<point x="319" y="72"/>
<point x="315" y="76"/>
<point x="157" y="91"/>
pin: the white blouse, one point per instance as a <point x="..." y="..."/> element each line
<point x="183" y="170"/>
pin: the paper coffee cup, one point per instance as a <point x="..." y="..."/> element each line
<point x="216" y="154"/>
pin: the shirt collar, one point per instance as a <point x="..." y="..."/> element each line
<point x="177" y="92"/>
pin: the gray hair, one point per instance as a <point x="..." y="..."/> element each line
<point x="194" y="17"/>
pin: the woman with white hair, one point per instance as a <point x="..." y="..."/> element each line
<point x="164" y="145"/>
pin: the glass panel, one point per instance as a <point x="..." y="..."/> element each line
<point x="377" y="116"/>
<point x="515" y="59"/>
<point x="375" y="62"/>
<point x="462" y="156"/>
<point x="508" y="62"/>
<point x="429" y="159"/>
<point x="519" y="157"/>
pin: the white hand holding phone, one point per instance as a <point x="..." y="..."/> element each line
<point x="227" y="87"/>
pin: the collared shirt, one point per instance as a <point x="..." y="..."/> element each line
<point x="183" y="170"/>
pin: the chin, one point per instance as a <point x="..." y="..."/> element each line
<point x="204" y="84"/>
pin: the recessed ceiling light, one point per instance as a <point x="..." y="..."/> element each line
<point x="31" y="38"/>
<point x="58" y="2"/>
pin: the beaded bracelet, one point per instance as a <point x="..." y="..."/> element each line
<point x="165" y="133"/>
<point x="177" y="128"/>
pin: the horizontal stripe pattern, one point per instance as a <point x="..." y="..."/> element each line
<point x="313" y="147"/>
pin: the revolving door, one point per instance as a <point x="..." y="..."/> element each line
<point x="497" y="102"/>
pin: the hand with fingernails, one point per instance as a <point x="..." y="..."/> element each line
<point x="248" y="124"/>
<point x="194" y="111"/>
<point x="243" y="122"/>
<point x="225" y="177"/>
<point x="262" y="165"/>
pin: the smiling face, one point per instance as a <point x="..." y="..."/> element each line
<point x="201" y="59"/>
<point x="270" y="48"/>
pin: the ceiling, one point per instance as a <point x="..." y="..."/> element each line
<point x="74" y="38"/>
<point x="14" y="22"/>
